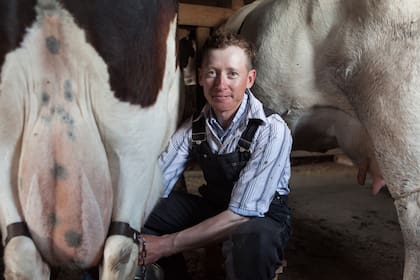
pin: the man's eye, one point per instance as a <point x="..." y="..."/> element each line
<point x="211" y="73"/>
<point x="233" y="74"/>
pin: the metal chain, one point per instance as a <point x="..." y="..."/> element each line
<point x="142" y="262"/>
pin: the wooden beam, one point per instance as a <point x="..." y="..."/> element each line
<point x="301" y="153"/>
<point x="200" y="15"/>
<point x="237" y="4"/>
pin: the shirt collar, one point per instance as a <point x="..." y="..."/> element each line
<point x="256" y="108"/>
<point x="239" y="115"/>
<point x="250" y="107"/>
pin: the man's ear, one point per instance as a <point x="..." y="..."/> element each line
<point x="252" y="75"/>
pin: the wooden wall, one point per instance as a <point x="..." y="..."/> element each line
<point x="203" y="15"/>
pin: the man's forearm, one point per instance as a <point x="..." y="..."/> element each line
<point x="211" y="230"/>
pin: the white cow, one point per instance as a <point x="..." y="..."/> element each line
<point x="88" y="99"/>
<point x="347" y="73"/>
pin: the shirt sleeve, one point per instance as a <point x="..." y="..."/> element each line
<point x="174" y="158"/>
<point x="267" y="171"/>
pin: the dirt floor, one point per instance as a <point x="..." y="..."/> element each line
<point x="340" y="231"/>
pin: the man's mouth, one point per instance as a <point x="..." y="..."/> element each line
<point x="220" y="97"/>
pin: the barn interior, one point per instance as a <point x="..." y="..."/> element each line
<point x="340" y="231"/>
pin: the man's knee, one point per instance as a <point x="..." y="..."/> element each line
<point x="262" y="233"/>
<point x="257" y="247"/>
<point x="255" y="250"/>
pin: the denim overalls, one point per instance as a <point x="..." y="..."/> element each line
<point x="255" y="248"/>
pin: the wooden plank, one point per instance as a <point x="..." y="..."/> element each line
<point x="300" y="153"/>
<point x="237" y="4"/>
<point x="200" y="15"/>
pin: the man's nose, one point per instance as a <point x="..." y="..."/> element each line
<point x="220" y="81"/>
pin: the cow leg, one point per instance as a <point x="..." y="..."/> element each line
<point x="120" y="258"/>
<point x="23" y="261"/>
<point x="133" y="147"/>
<point x="133" y="138"/>
<point x="135" y="201"/>
<point x="21" y="258"/>
<point x="408" y="209"/>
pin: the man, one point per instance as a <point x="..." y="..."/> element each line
<point x="244" y="152"/>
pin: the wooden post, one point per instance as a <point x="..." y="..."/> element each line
<point x="200" y="15"/>
<point x="201" y="33"/>
<point x="237" y="4"/>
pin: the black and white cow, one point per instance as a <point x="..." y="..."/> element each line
<point x="346" y="73"/>
<point x="88" y="98"/>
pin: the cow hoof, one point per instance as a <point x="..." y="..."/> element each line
<point x="22" y="261"/>
<point x="120" y="258"/>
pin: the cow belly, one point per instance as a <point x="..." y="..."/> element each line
<point x="65" y="189"/>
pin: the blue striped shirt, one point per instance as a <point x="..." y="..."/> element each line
<point x="267" y="171"/>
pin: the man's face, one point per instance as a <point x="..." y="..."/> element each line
<point x="224" y="76"/>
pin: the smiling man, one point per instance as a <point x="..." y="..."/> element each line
<point x="244" y="152"/>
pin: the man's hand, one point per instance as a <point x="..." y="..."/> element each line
<point x="156" y="247"/>
<point x="211" y="230"/>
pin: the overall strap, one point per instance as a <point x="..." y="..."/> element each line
<point x="198" y="129"/>
<point x="247" y="136"/>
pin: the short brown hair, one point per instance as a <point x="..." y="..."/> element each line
<point x="222" y="39"/>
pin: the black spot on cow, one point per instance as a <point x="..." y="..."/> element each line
<point x="71" y="135"/>
<point x="53" y="44"/>
<point x="45" y="98"/>
<point x="68" y="93"/>
<point x="52" y="219"/>
<point x="59" y="172"/>
<point x="67" y="118"/>
<point x="73" y="239"/>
